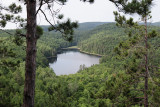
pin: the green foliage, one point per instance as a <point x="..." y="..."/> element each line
<point x="39" y="31"/>
<point x="18" y="40"/>
<point x="90" y="1"/>
<point x="15" y="9"/>
<point x="8" y="16"/>
<point x="140" y="7"/>
<point x="137" y="51"/>
<point x="103" y="40"/>
<point x="2" y="23"/>
<point x="7" y="55"/>
<point x="104" y="85"/>
<point x="152" y="34"/>
<point x="60" y="16"/>
<point x="65" y="28"/>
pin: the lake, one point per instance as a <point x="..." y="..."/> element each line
<point x="69" y="61"/>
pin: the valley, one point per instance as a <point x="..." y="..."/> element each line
<point x="101" y="85"/>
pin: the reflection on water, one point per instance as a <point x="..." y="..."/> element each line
<point x="52" y="59"/>
<point x="69" y="61"/>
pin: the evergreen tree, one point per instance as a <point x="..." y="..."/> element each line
<point x="66" y="28"/>
<point x="140" y="59"/>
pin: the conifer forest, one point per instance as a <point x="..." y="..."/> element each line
<point x="128" y="73"/>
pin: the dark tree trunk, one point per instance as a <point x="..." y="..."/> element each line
<point x="146" y="67"/>
<point x="30" y="67"/>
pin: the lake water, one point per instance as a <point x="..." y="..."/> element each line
<point x="69" y="61"/>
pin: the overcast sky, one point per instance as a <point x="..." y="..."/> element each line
<point x="100" y="11"/>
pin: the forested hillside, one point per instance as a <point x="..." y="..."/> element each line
<point x="104" y="38"/>
<point x="156" y="24"/>
<point x="103" y="85"/>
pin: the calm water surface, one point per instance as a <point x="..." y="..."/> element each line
<point x="69" y="61"/>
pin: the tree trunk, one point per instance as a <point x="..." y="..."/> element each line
<point x="146" y="67"/>
<point x="30" y="67"/>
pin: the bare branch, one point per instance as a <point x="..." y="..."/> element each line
<point x="49" y="21"/>
<point x="46" y="18"/>
<point x="59" y="3"/>
<point x="52" y="13"/>
<point x="41" y="3"/>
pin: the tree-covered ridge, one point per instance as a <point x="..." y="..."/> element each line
<point x="104" y="38"/>
<point x="101" y="85"/>
<point x="156" y="24"/>
<point x="152" y="24"/>
<point x="47" y="46"/>
<point x="89" y="29"/>
<point x="82" y="26"/>
<point x="141" y="79"/>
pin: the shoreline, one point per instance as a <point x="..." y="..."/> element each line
<point x="75" y="47"/>
<point x="91" y="53"/>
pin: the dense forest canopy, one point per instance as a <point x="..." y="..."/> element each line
<point x="128" y="73"/>
<point x="94" y="86"/>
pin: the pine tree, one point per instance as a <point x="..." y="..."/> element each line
<point x="66" y="29"/>
<point x="8" y="14"/>
<point x="141" y="54"/>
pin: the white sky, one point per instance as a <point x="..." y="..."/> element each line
<point x="100" y="11"/>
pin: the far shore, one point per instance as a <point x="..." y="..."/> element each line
<point x="75" y="47"/>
